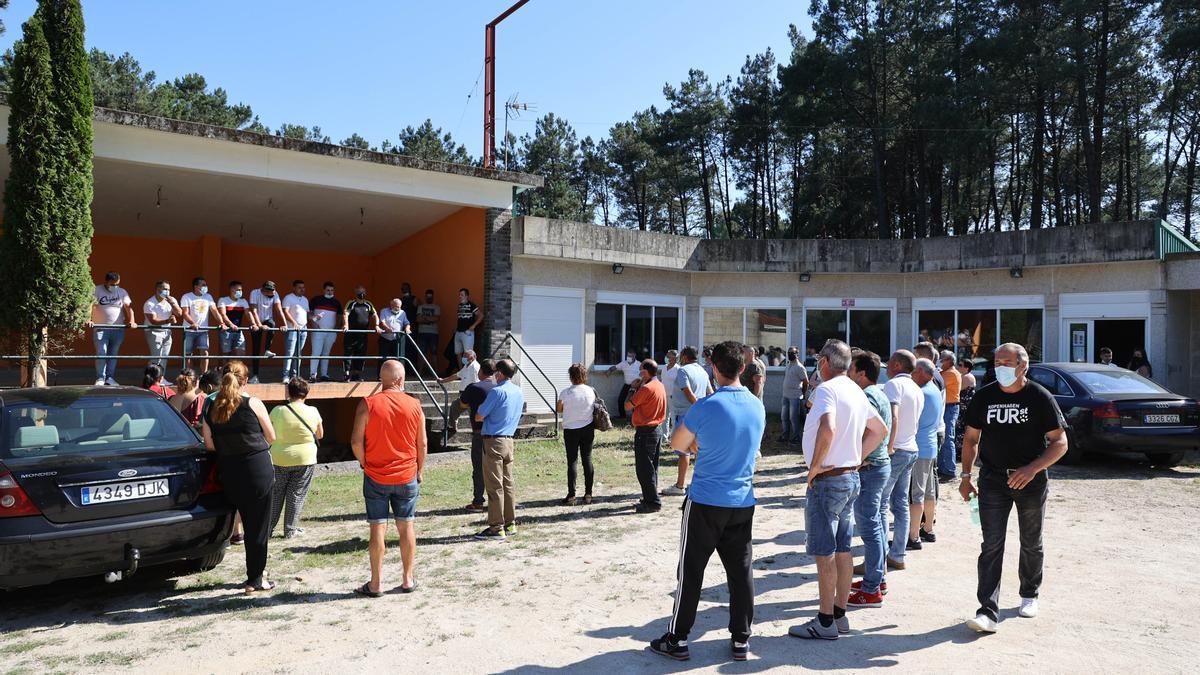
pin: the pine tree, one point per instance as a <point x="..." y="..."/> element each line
<point x="47" y="234"/>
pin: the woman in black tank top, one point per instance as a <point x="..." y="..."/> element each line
<point x="237" y="427"/>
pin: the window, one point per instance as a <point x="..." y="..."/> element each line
<point x="974" y="334"/>
<point x="646" y="330"/>
<point x="53" y="424"/>
<point x="722" y="324"/>
<point x="741" y="320"/>
<point x="1053" y="382"/>
<point x="869" y="329"/>
<point x="1024" y="327"/>
<point x="1116" y="381"/>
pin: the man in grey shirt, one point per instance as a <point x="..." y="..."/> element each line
<point x="690" y="384"/>
<point x="795" y="382"/>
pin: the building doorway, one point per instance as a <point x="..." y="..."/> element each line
<point x="1086" y="337"/>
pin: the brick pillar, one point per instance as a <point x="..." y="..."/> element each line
<point x="497" y="279"/>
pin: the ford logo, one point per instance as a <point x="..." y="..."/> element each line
<point x="127" y="473"/>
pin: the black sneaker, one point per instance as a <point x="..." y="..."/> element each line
<point x="491" y="534"/>
<point x="928" y="537"/>
<point x="647" y="508"/>
<point x="740" y="650"/>
<point x="670" y="648"/>
<point x="913" y="545"/>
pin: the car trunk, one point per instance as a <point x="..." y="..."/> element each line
<point x="1140" y="411"/>
<point x="70" y="488"/>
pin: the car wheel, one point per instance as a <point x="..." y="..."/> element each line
<point x="1075" y="451"/>
<point x="208" y="562"/>
<point x="1165" y="460"/>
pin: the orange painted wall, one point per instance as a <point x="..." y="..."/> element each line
<point x="444" y="256"/>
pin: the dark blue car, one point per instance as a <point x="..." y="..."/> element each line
<point x="1111" y="409"/>
<point x="100" y="480"/>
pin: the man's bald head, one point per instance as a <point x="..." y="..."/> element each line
<point x="902" y="361"/>
<point x="391" y="374"/>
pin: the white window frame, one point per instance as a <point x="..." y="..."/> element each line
<point x="651" y="300"/>
<point x="876" y="304"/>
<point x="1092" y="307"/>
<point x="746" y="304"/>
<point x="994" y="302"/>
<point x="559" y="292"/>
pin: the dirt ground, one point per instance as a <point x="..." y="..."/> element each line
<point x="583" y="589"/>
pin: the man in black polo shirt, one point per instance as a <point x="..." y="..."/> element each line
<point x="1018" y="431"/>
<point x="471" y="398"/>
<point x="359" y="314"/>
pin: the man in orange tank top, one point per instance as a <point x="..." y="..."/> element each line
<point x="390" y="444"/>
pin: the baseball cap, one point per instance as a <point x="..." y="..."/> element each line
<point x="268" y="285"/>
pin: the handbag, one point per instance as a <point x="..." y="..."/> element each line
<point x="600" y="419"/>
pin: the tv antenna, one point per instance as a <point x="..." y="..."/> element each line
<point x="513" y="109"/>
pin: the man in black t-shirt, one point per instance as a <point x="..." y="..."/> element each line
<point x="359" y="314"/>
<point x="469" y="318"/>
<point x="1017" y="429"/>
<point x="470" y="399"/>
<point x="408" y="301"/>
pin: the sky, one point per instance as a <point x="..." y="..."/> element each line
<point x="376" y="66"/>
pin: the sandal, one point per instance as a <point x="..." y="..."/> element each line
<point x="409" y="589"/>
<point x="365" y="591"/>
<point x="262" y="588"/>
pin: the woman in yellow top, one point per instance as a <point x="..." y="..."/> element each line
<point x="298" y="428"/>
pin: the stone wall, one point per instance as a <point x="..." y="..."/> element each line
<point x="497" y="281"/>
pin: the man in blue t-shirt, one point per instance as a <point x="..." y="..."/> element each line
<point x="691" y="384"/>
<point x="922" y="492"/>
<point x="727" y="429"/>
<point x="500" y="413"/>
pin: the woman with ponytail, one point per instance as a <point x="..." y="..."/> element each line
<point x="188" y="398"/>
<point x="238" y="428"/>
<point x="152" y="380"/>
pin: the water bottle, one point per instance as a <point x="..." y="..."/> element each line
<point x="974" y="506"/>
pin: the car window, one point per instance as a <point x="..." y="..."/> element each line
<point x="59" y="424"/>
<point x="1052" y="381"/>
<point x="1117" y="381"/>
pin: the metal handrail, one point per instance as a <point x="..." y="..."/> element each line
<point x="553" y="408"/>
<point x="445" y="392"/>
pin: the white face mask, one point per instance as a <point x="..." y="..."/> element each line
<point x="1006" y="375"/>
<point x="329" y="294"/>
<point x="164" y="293"/>
<point x="204" y="290"/>
<point x="237" y="295"/>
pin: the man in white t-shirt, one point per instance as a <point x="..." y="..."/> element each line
<point x="841" y="430"/>
<point x="160" y="309"/>
<point x="295" y="323"/>
<point x="198" y="306"/>
<point x="468" y="374"/>
<point x="232" y="308"/>
<point x="631" y="368"/>
<point x="394" y="325"/>
<point x="266" y="315"/>
<point x="907" y="402"/>
<point x="667" y="375"/>
<point x="109" y="303"/>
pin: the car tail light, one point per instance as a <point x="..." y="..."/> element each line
<point x="1108" y="411"/>
<point x="212" y="484"/>
<point x="13" y="500"/>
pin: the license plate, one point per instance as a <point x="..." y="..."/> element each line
<point x="119" y="492"/>
<point x="1162" y="419"/>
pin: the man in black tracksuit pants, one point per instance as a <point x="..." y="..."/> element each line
<point x="725" y="431"/>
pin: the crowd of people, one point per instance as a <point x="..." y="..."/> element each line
<point x="298" y="318"/>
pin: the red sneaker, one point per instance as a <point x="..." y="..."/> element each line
<point x="860" y="599"/>
<point x="857" y="586"/>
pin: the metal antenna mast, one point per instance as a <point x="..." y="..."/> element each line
<point x="489" y="85"/>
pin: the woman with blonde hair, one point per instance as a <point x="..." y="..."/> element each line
<point x="238" y="428"/>
<point x="188" y="398"/>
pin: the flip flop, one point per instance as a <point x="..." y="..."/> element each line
<point x="365" y="591"/>
<point x="409" y="589"/>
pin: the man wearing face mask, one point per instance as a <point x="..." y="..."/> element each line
<point x="295" y="325"/>
<point x="264" y="309"/>
<point x="408" y="301"/>
<point x="326" y="315"/>
<point x="393" y="322"/>
<point x="1016" y="428"/>
<point x="198" y="307"/>
<point x="160" y="310"/>
<point x="359" y="314"/>
<point x="469" y="373"/>
<point x="109" y="302"/>
<point x="428" y="315"/>
<point x="631" y="368"/>
<point x="231" y="309"/>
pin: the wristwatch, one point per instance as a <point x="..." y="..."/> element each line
<point x="965" y="475"/>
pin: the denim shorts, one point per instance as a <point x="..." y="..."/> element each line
<point x="402" y="499"/>
<point x="924" y="485"/>
<point x="195" y="339"/>
<point x="829" y="514"/>
<point x="232" y="340"/>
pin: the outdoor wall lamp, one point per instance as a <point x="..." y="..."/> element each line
<point x="805" y="277"/>
<point x="618" y="268"/>
<point x="1016" y="272"/>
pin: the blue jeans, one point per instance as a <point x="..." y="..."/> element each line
<point x="293" y="345"/>
<point x="829" y="514"/>
<point x="895" y="495"/>
<point x="108" y="343"/>
<point x="870" y="525"/>
<point x="792" y="416"/>
<point x="947" y="460"/>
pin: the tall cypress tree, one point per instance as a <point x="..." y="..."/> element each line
<point x="47" y="235"/>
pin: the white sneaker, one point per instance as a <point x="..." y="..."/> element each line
<point x="982" y="623"/>
<point x="99" y="382"/>
<point x="111" y="382"/>
<point x="269" y="354"/>
<point x="1029" y="608"/>
<point x="673" y="490"/>
<point x="286" y="380"/>
<point x="253" y="379"/>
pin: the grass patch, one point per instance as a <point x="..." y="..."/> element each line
<point x="109" y="659"/>
<point x="25" y="646"/>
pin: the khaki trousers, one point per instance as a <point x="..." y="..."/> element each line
<point x="498" y="481"/>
